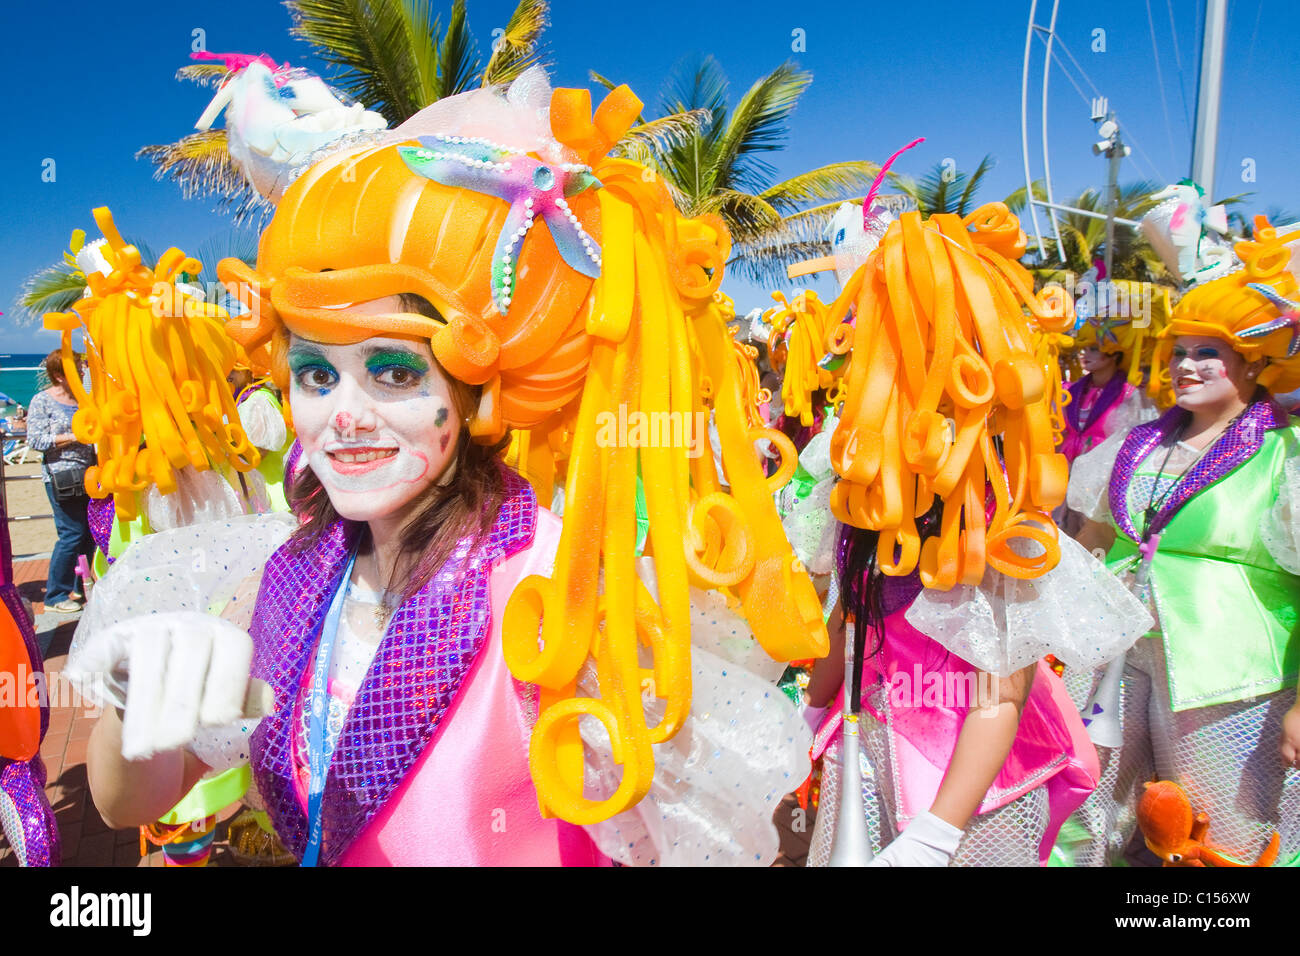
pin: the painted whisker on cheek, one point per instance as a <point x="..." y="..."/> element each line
<point x="442" y="442"/>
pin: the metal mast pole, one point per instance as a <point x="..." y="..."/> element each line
<point x="1113" y="156"/>
<point x="1047" y="156"/>
<point x="1208" y="96"/>
<point x="1024" y="131"/>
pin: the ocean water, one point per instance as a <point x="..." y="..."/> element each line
<point x="18" y="371"/>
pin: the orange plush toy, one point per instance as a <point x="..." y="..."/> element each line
<point x="1174" y="831"/>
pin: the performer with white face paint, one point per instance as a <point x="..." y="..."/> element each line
<point x="1199" y="509"/>
<point x="448" y="309"/>
<point x="363" y="417"/>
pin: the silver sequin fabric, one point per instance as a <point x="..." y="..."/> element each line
<point x="1225" y="757"/>
<point x="1007" y="836"/>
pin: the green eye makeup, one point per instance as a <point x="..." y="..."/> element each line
<point x="396" y="357"/>
<point x="301" y="357"/>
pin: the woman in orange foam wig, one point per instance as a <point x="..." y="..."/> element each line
<point x="953" y="581"/>
<point x="488" y="279"/>
<point x="1198" y="509"/>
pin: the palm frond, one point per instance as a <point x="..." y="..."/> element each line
<point x="971" y="186"/>
<point x="234" y="244"/>
<point x="928" y="194"/>
<point x="1236" y="199"/>
<point x="53" y="289"/>
<point x="602" y="80"/>
<point x="1084" y="237"/>
<point x="663" y="134"/>
<point x="204" y="74"/>
<point x="809" y="225"/>
<point x="746" y="215"/>
<point x="764" y="262"/>
<point x="944" y="189"/>
<point x="420" y="31"/>
<point x="695" y="83"/>
<point x="758" y="124"/>
<point x="835" y="181"/>
<point x="378" y="45"/>
<point x="201" y="165"/>
<point x="1135" y="198"/>
<point x="458" y="61"/>
<point x="519" y="47"/>
<point x="1018" y="201"/>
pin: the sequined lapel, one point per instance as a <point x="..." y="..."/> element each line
<point x="1231" y="450"/>
<point x="428" y="648"/>
<point x="295" y="591"/>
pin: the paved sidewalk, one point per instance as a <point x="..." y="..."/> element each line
<point x="87" y="839"/>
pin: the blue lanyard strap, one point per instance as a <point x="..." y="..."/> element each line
<point x="318" y="701"/>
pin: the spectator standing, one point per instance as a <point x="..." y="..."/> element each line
<point x="49" y="430"/>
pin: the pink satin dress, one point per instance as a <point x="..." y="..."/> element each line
<point x="1051" y="747"/>
<point x="468" y="799"/>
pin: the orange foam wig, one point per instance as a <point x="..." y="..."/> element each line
<point x="558" y="352"/>
<point x="946" y="356"/>
<point x="1256" y="322"/>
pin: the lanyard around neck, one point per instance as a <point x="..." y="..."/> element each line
<point x="1154" y="507"/>
<point x="318" y="701"/>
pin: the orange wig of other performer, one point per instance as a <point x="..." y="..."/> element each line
<point x="1140" y="312"/>
<point x="1251" y="309"/>
<point x="803" y="327"/>
<point x="945" y="358"/>
<point x="158" y="359"/>
<point x="610" y="306"/>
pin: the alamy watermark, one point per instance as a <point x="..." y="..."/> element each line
<point x="638" y="429"/>
<point x="976" y="690"/>
<point x="1103" y="300"/>
<point x="26" y="688"/>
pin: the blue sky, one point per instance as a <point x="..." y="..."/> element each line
<point x="949" y="70"/>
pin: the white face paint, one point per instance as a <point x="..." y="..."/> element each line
<point x="1207" y="373"/>
<point x="1093" y="359"/>
<point x="375" y="419"/>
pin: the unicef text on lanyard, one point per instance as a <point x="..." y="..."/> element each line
<point x="318" y="700"/>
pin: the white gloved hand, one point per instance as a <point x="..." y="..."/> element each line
<point x="927" y="841"/>
<point x="262" y="422"/>
<point x="186" y="669"/>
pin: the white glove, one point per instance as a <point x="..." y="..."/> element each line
<point x="927" y="841"/>
<point x="186" y="669"/>
<point x="262" y="422"/>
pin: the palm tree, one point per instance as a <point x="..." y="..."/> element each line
<point x="53" y="289"/>
<point x="1084" y="238"/>
<point x="397" y="59"/>
<point x="393" y="55"/>
<point x="945" y="189"/>
<point x="58" y="286"/>
<point x="716" y="165"/>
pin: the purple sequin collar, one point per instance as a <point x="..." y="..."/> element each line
<point x="1111" y="393"/>
<point x="1231" y="450"/>
<point x="429" y="646"/>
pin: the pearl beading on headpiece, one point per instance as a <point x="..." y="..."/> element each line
<point x="531" y="186"/>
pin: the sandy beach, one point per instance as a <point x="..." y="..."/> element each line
<point x="24" y="496"/>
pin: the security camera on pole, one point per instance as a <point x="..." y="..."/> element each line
<point x="1112" y="147"/>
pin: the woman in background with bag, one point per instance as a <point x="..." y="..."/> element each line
<point x="49" y="430"/>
